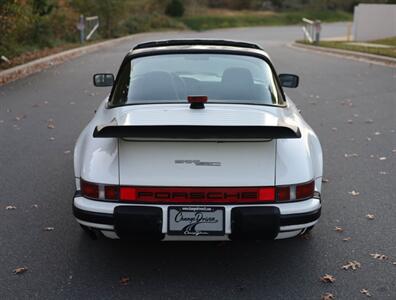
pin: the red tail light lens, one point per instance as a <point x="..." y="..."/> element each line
<point x="283" y="193"/>
<point x="306" y="190"/>
<point x="128" y="194"/>
<point x="267" y="194"/>
<point x="111" y="192"/>
<point x="89" y="190"/>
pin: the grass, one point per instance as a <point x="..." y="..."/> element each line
<point x="390" y="52"/>
<point x="212" y="20"/>
<point x="389" y="41"/>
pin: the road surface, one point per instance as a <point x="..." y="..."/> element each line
<point x="351" y="106"/>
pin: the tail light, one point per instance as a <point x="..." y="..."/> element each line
<point x="267" y="194"/>
<point x="90" y="190"/>
<point x="128" y="194"/>
<point x="304" y="191"/>
<point x="198" y="195"/>
<point x="295" y="192"/>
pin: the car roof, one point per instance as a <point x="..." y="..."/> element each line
<point x="197" y="44"/>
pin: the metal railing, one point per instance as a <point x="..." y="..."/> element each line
<point x="87" y="22"/>
<point x="311" y="30"/>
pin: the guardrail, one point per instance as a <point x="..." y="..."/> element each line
<point x="311" y="30"/>
<point x="86" y="22"/>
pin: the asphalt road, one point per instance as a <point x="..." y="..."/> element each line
<point x="351" y="106"/>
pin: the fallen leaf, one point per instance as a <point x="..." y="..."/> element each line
<point x="372" y="156"/>
<point x="378" y="256"/>
<point x="365" y="292"/>
<point x="339" y="229"/>
<point x="327" y="296"/>
<point x="354" y="193"/>
<point x="124" y="280"/>
<point x="347" y="239"/>
<point x="51" y="138"/>
<point x="351" y="155"/>
<point x="377" y="133"/>
<point x="45" y="102"/>
<point x="20" y="270"/>
<point x="383" y="172"/>
<point x="369" y="139"/>
<point x="325" y="180"/>
<point x="49" y="229"/>
<point x="51" y="126"/>
<point x="327" y="278"/>
<point x="334" y="129"/>
<point x="353" y="265"/>
<point x="10" y="207"/>
<point x="35" y="206"/>
<point x="382" y="158"/>
<point x="67" y="152"/>
<point x="21" y="117"/>
<point x="370" y="216"/>
<point x="350" y="121"/>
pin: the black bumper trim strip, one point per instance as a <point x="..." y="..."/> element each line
<point x="303" y="218"/>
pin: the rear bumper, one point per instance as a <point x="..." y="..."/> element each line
<point x="266" y="221"/>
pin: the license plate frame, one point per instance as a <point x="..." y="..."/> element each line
<point x="196" y="221"/>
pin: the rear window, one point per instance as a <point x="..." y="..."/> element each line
<point x="171" y="78"/>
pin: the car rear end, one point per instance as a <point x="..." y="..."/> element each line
<point x="218" y="166"/>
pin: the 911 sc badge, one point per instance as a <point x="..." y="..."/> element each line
<point x="199" y="163"/>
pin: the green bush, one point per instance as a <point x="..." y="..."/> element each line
<point x="175" y="8"/>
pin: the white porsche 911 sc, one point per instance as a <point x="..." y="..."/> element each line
<point x="197" y="141"/>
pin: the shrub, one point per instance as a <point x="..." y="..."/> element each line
<point x="175" y="8"/>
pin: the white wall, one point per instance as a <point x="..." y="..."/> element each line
<point x="374" y="21"/>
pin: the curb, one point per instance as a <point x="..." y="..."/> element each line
<point x="41" y="64"/>
<point x="371" y="58"/>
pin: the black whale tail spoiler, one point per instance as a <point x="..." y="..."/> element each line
<point x="197" y="132"/>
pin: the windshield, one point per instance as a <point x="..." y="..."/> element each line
<point x="171" y="78"/>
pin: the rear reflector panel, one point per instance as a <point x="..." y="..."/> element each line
<point x="198" y="195"/>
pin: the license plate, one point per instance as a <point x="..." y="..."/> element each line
<point x="195" y="221"/>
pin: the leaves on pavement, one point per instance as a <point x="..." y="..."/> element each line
<point x="354" y="193"/>
<point x="347" y="155"/>
<point x="49" y="229"/>
<point x="370" y="216"/>
<point x="20" y="270"/>
<point x="378" y="256"/>
<point x="10" y="207"/>
<point x="50" y="124"/>
<point x="124" y="280"/>
<point x="347" y="239"/>
<point x="327" y="278"/>
<point x="339" y="229"/>
<point x="327" y="296"/>
<point x="365" y="292"/>
<point x="353" y="265"/>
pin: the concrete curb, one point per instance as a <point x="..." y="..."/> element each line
<point x="371" y="58"/>
<point x="41" y="64"/>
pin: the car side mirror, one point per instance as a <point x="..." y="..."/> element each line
<point x="103" y="79"/>
<point x="289" y="80"/>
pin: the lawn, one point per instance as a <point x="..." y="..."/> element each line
<point x="390" y="52"/>
<point x="212" y="19"/>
